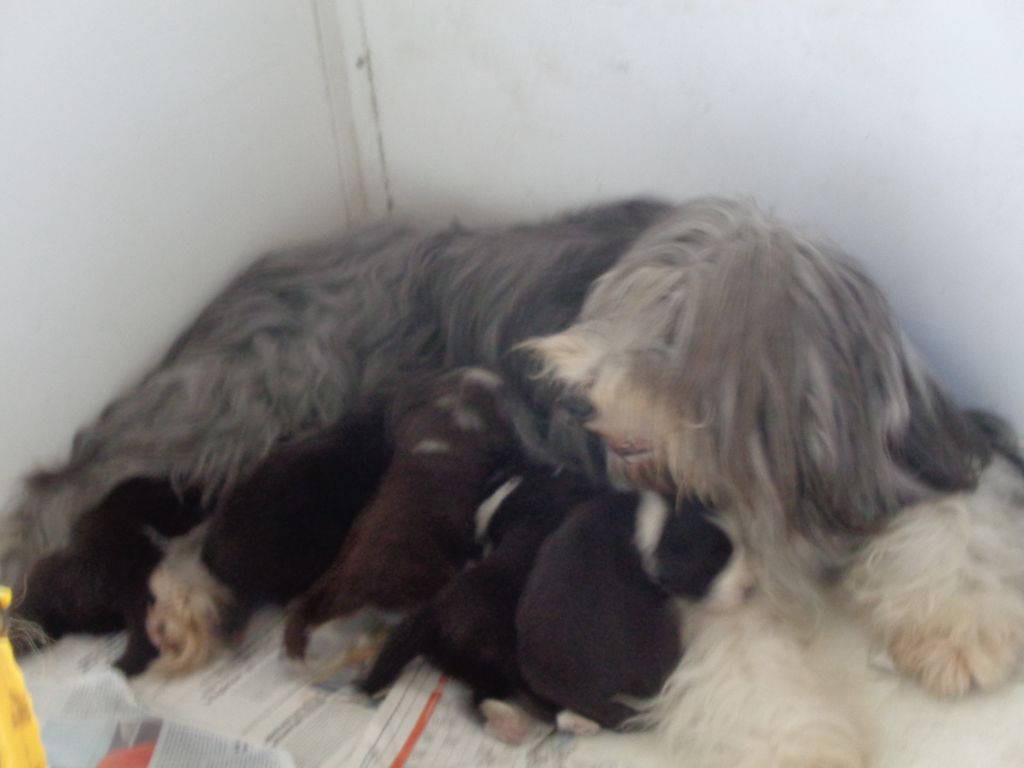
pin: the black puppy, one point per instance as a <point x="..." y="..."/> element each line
<point x="98" y="583"/>
<point x="598" y="623"/>
<point x="274" y="534"/>
<point x="468" y="629"/>
<point x="279" y="529"/>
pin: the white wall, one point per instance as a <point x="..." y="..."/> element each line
<point x="146" y="150"/>
<point x="897" y="128"/>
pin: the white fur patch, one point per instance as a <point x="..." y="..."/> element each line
<point x="568" y="721"/>
<point x="748" y="693"/>
<point x="505" y="721"/>
<point x="468" y="419"/>
<point x="482" y="377"/>
<point x="571" y="355"/>
<point x="430" y="445"/>
<point x="651" y="516"/>
<point x="733" y="586"/>
<point x="184" y="620"/>
<point x="465" y="418"/>
<point x="490" y="505"/>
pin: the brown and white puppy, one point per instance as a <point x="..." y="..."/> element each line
<point x="418" y="531"/>
<point x="98" y="582"/>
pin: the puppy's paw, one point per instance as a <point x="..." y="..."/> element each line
<point x="568" y="721"/>
<point x="505" y="721"/>
<point x="969" y="643"/>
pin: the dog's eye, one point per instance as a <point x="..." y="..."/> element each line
<point x="576" y="405"/>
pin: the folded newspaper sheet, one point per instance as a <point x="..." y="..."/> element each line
<point x="253" y="709"/>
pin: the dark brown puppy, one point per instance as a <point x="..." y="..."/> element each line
<point x="469" y="630"/>
<point x="280" y="528"/>
<point x="274" y="534"/>
<point x="98" y="583"/>
<point x="419" y="529"/>
<point x="597" y="620"/>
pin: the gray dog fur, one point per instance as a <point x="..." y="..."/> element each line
<point x="772" y="338"/>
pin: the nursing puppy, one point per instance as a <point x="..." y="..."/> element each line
<point x="279" y="530"/>
<point x="468" y="630"/>
<point x="599" y="623"/>
<point x="270" y="539"/>
<point x="419" y="529"/>
<point x="98" y="582"/>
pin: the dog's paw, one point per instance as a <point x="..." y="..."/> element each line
<point x="505" y="721"/>
<point x="568" y="721"/>
<point x="967" y="644"/>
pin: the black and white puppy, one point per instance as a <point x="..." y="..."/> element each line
<point x="599" y="621"/>
<point x="468" y="630"/>
<point x="573" y="606"/>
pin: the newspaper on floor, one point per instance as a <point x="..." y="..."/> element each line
<point x="255" y="699"/>
<point x="426" y="721"/>
<point x="251" y="695"/>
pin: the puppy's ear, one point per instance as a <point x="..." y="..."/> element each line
<point x="571" y="356"/>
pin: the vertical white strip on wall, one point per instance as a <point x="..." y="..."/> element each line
<point x="348" y="75"/>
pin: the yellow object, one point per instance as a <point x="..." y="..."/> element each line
<point x="20" y="745"/>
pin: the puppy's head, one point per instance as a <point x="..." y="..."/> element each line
<point x="688" y="554"/>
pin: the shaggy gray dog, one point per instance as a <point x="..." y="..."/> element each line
<point x="702" y="348"/>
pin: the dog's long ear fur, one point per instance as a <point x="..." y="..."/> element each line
<point x="570" y="356"/>
<point x="782" y="382"/>
<point x="412" y="637"/>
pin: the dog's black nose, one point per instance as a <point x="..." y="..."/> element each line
<point x="577" y="406"/>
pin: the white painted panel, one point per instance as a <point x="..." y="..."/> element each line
<point x="146" y="151"/>
<point x="897" y="128"/>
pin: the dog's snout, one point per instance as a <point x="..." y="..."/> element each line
<point x="576" y="405"/>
